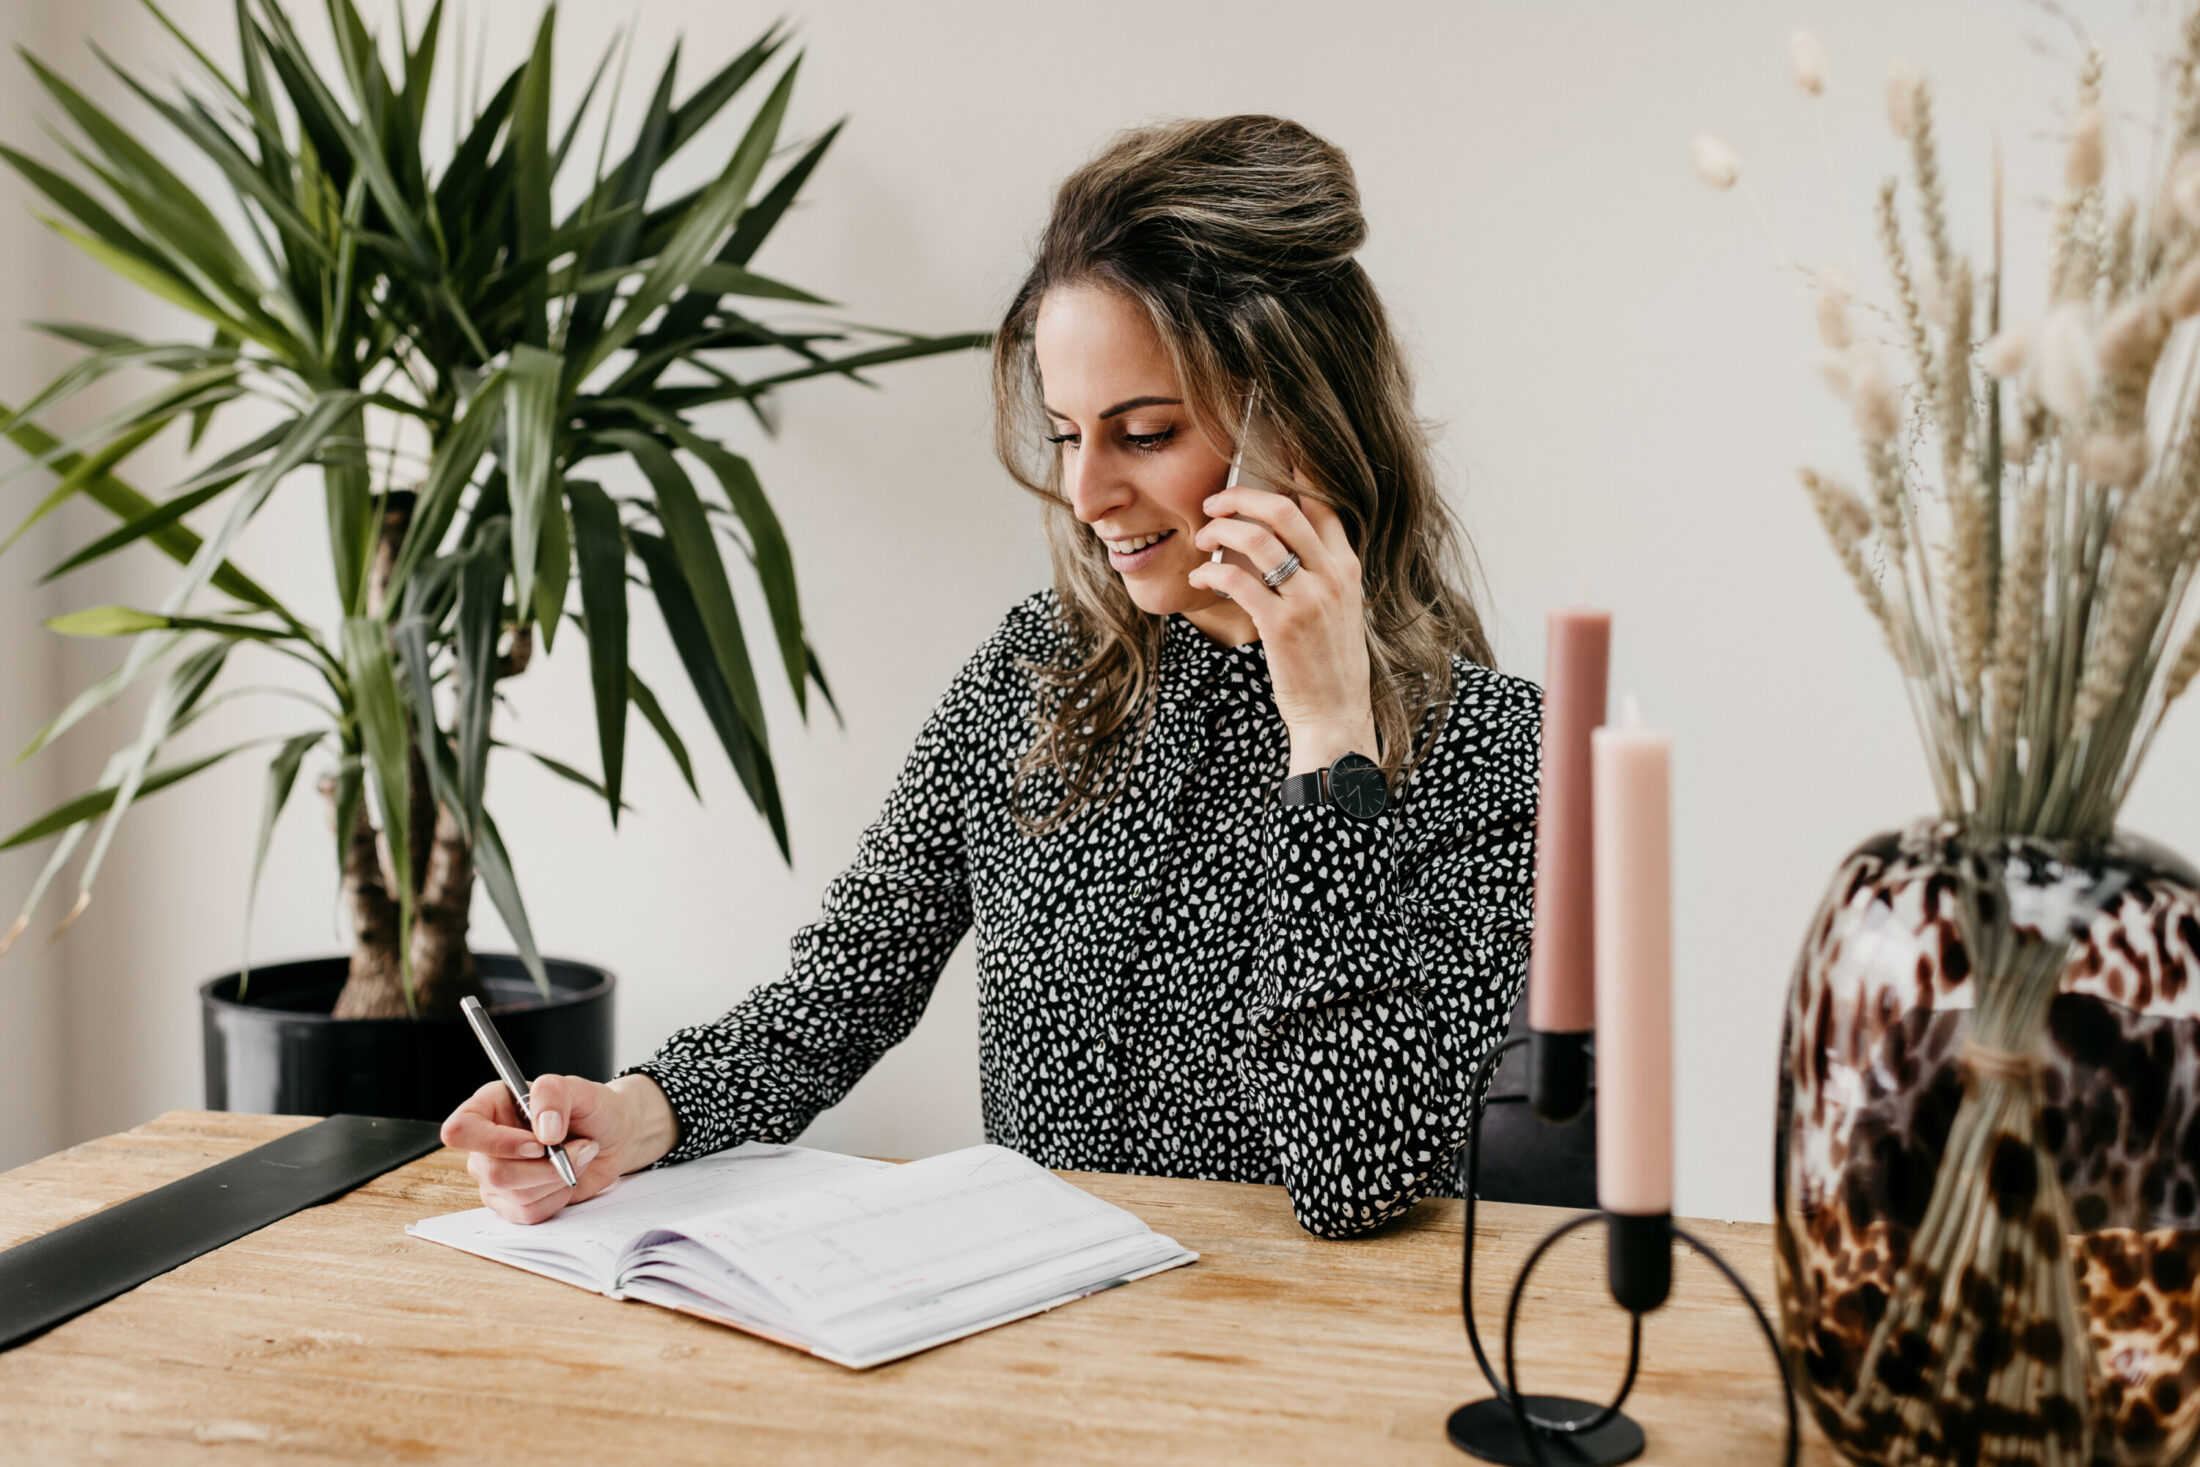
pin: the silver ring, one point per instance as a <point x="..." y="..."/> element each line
<point x="1282" y="573"/>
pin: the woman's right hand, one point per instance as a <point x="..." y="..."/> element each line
<point x="608" y="1131"/>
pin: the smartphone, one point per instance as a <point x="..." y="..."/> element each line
<point x="1256" y="465"/>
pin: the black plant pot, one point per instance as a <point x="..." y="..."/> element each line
<point x="278" y="1051"/>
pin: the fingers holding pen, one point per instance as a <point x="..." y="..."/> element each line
<point x="550" y="1097"/>
<point x="528" y="1207"/>
<point x="489" y="1123"/>
<point x="524" y="1179"/>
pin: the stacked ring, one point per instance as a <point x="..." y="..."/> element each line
<point x="1282" y="573"/>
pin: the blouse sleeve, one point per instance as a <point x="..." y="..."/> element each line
<point x="1391" y="955"/>
<point x="858" y="977"/>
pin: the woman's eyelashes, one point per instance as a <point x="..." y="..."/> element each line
<point x="1143" y="442"/>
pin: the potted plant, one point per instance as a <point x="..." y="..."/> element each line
<point x="458" y="363"/>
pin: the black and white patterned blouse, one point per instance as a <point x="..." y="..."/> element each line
<point x="1191" y="980"/>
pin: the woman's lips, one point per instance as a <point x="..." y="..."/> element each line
<point x="1137" y="560"/>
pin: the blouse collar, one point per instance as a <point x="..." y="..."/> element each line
<point x="1195" y="667"/>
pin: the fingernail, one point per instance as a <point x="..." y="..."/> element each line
<point x="534" y="1148"/>
<point x="549" y="1125"/>
<point x="582" y="1154"/>
<point x="1210" y="504"/>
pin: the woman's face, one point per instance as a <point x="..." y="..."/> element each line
<point x="1135" y="469"/>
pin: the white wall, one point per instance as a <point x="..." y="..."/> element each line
<point x="1621" y="372"/>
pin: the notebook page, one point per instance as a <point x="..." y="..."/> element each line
<point x="911" y="1323"/>
<point x="700" y="1284"/>
<point x="582" y="1245"/>
<point x="855" y="1242"/>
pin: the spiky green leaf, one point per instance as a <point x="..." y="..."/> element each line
<point x="495" y="866"/>
<point x="676" y="600"/>
<point x="600" y="548"/>
<point x="638" y="692"/>
<point x="530" y="456"/>
<point x="95" y="803"/>
<point x="699" y="235"/>
<point x="687" y="530"/>
<point x="282" y="774"/>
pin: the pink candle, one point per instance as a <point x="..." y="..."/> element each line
<point x="1634" y="968"/>
<point x="1561" y="964"/>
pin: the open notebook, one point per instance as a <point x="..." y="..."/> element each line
<point x="856" y="1261"/>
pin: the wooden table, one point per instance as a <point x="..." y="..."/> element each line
<point x="333" y="1337"/>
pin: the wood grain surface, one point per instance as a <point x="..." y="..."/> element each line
<point x="332" y="1337"/>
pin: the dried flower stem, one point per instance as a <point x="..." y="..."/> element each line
<point x="1932" y="205"/>
<point x="1847" y="522"/>
<point x="2070" y="258"/>
<point x="1905" y="289"/>
<point x="2181" y="675"/>
<point x="2023" y="589"/>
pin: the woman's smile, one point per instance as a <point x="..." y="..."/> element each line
<point x="1135" y="554"/>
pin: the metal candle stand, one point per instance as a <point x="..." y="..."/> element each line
<point x="1559" y="1431"/>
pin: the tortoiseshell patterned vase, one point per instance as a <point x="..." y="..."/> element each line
<point x="1989" y="1220"/>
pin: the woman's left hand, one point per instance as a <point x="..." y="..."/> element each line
<point x="1313" y="624"/>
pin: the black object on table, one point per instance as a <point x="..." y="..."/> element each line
<point x="1511" y="1426"/>
<point x="1525" y="1158"/>
<point x="77" y="1267"/>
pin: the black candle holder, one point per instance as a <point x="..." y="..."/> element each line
<point x="1521" y="1430"/>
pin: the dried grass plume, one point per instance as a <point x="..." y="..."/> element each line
<point x="1715" y="162"/>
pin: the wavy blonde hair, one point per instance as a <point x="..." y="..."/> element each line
<point x="1236" y="235"/>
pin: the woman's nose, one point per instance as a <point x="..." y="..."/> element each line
<point x="1094" y="487"/>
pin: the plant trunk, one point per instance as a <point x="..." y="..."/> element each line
<point x="443" y="967"/>
<point x="374" y="989"/>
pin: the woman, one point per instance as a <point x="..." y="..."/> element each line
<point x="1247" y="841"/>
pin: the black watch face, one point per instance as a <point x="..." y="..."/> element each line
<point x="1356" y="787"/>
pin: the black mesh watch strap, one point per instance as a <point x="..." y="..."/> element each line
<point x="1310" y="788"/>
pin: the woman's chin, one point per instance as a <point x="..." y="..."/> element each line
<point x="1166" y="593"/>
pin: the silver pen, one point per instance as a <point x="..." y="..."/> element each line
<point x="513" y="1080"/>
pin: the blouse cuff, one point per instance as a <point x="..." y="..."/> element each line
<point x="1330" y="924"/>
<point x="698" y="1096"/>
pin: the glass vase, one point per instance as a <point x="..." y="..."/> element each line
<point x="1987" y="1167"/>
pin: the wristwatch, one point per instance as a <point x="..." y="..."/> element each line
<point x="1354" y="784"/>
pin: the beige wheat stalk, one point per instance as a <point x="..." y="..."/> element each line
<point x="2067" y="240"/>
<point x="2118" y="254"/>
<point x="1932" y="204"/>
<point x="1969" y="579"/>
<point x="1905" y="287"/>
<point x="1954" y="397"/>
<point x="2182" y="671"/>
<point x="2023" y="588"/>
<point x="1848" y="522"/>
<point x="2187" y="82"/>
<point x="2137" y="581"/>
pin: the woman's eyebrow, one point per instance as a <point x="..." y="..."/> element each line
<point x="1122" y="407"/>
